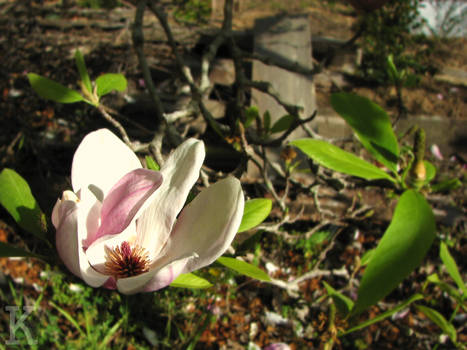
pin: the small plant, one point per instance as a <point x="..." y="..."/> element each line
<point x="192" y="11"/>
<point x="390" y="30"/>
<point x="412" y="229"/>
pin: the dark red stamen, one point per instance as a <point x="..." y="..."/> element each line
<point x="125" y="261"/>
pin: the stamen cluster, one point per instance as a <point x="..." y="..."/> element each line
<point x="126" y="261"/>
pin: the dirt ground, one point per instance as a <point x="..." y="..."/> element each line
<point x="38" y="138"/>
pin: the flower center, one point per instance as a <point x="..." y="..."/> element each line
<point x="126" y="261"/>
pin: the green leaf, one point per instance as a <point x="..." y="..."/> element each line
<point x="439" y="320"/>
<point x="445" y="287"/>
<point x="430" y="171"/>
<point x="366" y="258"/>
<point x="371" y="124"/>
<point x="451" y="267"/>
<point x="251" y="114"/>
<point x="446" y="185"/>
<point x="107" y="83"/>
<point x="385" y="314"/>
<point x="283" y="124"/>
<point x="402" y="249"/>
<point x="392" y="70"/>
<point x="189" y="280"/>
<point x="244" y="268"/>
<point x="16" y="197"/>
<point x="7" y="250"/>
<point x="343" y="303"/>
<point x="52" y="90"/>
<point x="337" y="159"/>
<point x="83" y="72"/>
<point x="256" y="210"/>
<point x="151" y="163"/>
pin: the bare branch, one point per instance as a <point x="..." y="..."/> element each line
<point x="116" y="124"/>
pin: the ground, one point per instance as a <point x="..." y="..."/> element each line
<point x="38" y="138"/>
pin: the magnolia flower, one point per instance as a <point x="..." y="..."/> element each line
<point x="122" y="228"/>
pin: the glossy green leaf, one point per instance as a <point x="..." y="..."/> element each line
<point x="52" y="90"/>
<point x="430" y="171"/>
<point x="251" y="114"/>
<point x="392" y="70"/>
<point x="343" y="303"/>
<point x="385" y="314"/>
<point x="445" y="287"/>
<point x="283" y="124"/>
<point x="83" y="72"/>
<point x="244" y="268"/>
<point x="189" y="280"/>
<point x="439" y="320"/>
<point x="17" y="199"/>
<point x="107" y="83"/>
<point x="256" y="210"/>
<point x="337" y="159"/>
<point x="402" y="249"/>
<point x="151" y="163"/>
<point x="366" y="258"/>
<point x="451" y="267"/>
<point x="371" y="124"/>
<point x="7" y="250"/>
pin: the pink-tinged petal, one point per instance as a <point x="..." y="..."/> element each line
<point x="180" y="172"/>
<point x="125" y="199"/>
<point x="110" y="284"/>
<point x="167" y="274"/>
<point x="277" y="346"/>
<point x="207" y="226"/>
<point x="100" y="161"/>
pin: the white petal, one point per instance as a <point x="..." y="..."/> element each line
<point x="88" y="217"/>
<point x="135" y="284"/>
<point x="73" y="220"/>
<point x="207" y="226"/>
<point x="179" y="173"/>
<point x="65" y="220"/>
<point x="100" y="161"/>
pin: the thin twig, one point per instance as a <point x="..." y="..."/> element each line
<point x="116" y="124"/>
<point x="292" y="286"/>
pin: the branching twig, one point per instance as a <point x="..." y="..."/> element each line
<point x="292" y="286"/>
<point x="116" y="124"/>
